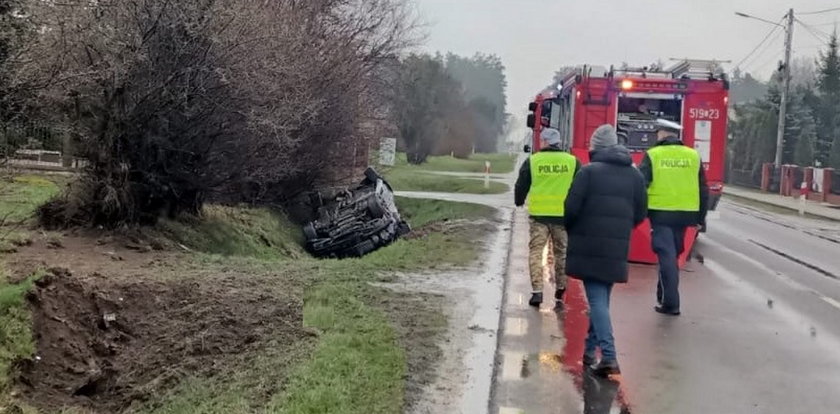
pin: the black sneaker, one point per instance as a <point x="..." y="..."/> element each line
<point x="665" y="311"/>
<point x="607" y="368"/>
<point x="536" y="299"/>
<point x="589" y="361"/>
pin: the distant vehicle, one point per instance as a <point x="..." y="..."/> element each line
<point x="692" y="92"/>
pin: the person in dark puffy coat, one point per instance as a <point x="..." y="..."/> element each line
<point x="606" y="201"/>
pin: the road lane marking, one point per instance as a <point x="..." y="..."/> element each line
<point x="784" y="255"/>
<point x="509" y="410"/>
<point x="831" y="301"/>
<point x="516" y="326"/>
<point x="784" y="278"/>
<point x="512" y="365"/>
<point x="787" y="312"/>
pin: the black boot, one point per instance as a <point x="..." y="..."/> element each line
<point x="607" y="368"/>
<point x="588" y="361"/>
<point x="667" y="311"/>
<point x="536" y="299"/>
<point x="558" y="299"/>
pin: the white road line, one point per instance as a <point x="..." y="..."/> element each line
<point x="784" y="278"/>
<point x="779" y="275"/>
<point x="512" y="365"/>
<point x="516" y="326"/>
<point x="782" y="309"/>
<point x="830" y="301"/>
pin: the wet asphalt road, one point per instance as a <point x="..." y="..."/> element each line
<point x="760" y="330"/>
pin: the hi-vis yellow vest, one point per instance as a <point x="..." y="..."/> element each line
<point x="676" y="182"/>
<point x="551" y="177"/>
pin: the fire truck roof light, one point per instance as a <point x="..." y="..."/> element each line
<point x="627" y="84"/>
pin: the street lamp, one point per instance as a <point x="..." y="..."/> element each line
<point x="758" y="18"/>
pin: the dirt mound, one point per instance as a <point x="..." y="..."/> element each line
<point x="104" y="344"/>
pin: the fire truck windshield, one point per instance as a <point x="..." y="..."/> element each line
<point x="637" y="115"/>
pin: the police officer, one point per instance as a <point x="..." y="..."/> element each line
<point x="677" y="200"/>
<point x="545" y="179"/>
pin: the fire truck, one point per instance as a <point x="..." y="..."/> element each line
<point x="692" y="93"/>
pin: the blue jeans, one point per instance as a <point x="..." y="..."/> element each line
<point x="600" y="326"/>
<point x="668" y="244"/>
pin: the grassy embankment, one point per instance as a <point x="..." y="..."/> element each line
<point x="366" y="336"/>
<point x="19" y="196"/>
<point x="406" y="177"/>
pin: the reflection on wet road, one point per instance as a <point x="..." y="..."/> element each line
<point x="759" y="331"/>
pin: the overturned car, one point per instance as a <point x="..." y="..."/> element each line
<point x="355" y="222"/>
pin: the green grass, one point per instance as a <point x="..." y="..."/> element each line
<point x="419" y="212"/>
<point x="499" y="163"/>
<point x="237" y="231"/>
<point x="403" y="179"/>
<point x="20" y="196"/>
<point x="358" y="361"/>
<point x="15" y="334"/>
<point x="358" y="366"/>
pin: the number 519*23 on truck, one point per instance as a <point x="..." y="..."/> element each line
<point x="692" y="93"/>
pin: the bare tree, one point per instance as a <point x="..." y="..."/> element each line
<point x="174" y="102"/>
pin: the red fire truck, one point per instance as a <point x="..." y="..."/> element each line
<point x="691" y="93"/>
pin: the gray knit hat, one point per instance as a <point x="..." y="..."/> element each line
<point x="551" y="137"/>
<point x="603" y="137"/>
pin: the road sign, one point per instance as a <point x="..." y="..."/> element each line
<point x="387" y="151"/>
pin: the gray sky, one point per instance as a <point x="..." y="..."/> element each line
<point x="535" y="37"/>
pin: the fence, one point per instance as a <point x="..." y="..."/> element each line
<point x="17" y="135"/>
<point x="34" y="145"/>
<point x="798" y="178"/>
<point x="835" y="183"/>
<point x="745" y="178"/>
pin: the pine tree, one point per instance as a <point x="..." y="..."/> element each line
<point x="834" y="157"/>
<point x="804" y="151"/>
<point x="800" y="130"/>
<point x="828" y="86"/>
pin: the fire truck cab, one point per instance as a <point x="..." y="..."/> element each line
<point x="692" y="93"/>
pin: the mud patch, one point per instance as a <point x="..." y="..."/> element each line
<point x="447" y="227"/>
<point x="104" y="344"/>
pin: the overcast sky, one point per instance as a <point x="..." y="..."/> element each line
<point x="535" y="37"/>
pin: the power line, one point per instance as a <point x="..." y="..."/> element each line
<point x="763" y="41"/>
<point x="763" y="53"/>
<point x="819" y="35"/>
<point x="775" y="58"/>
<point x="820" y="11"/>
<point x="837" y="23"/>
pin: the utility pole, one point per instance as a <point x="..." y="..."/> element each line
<point x="780" y="137"/>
